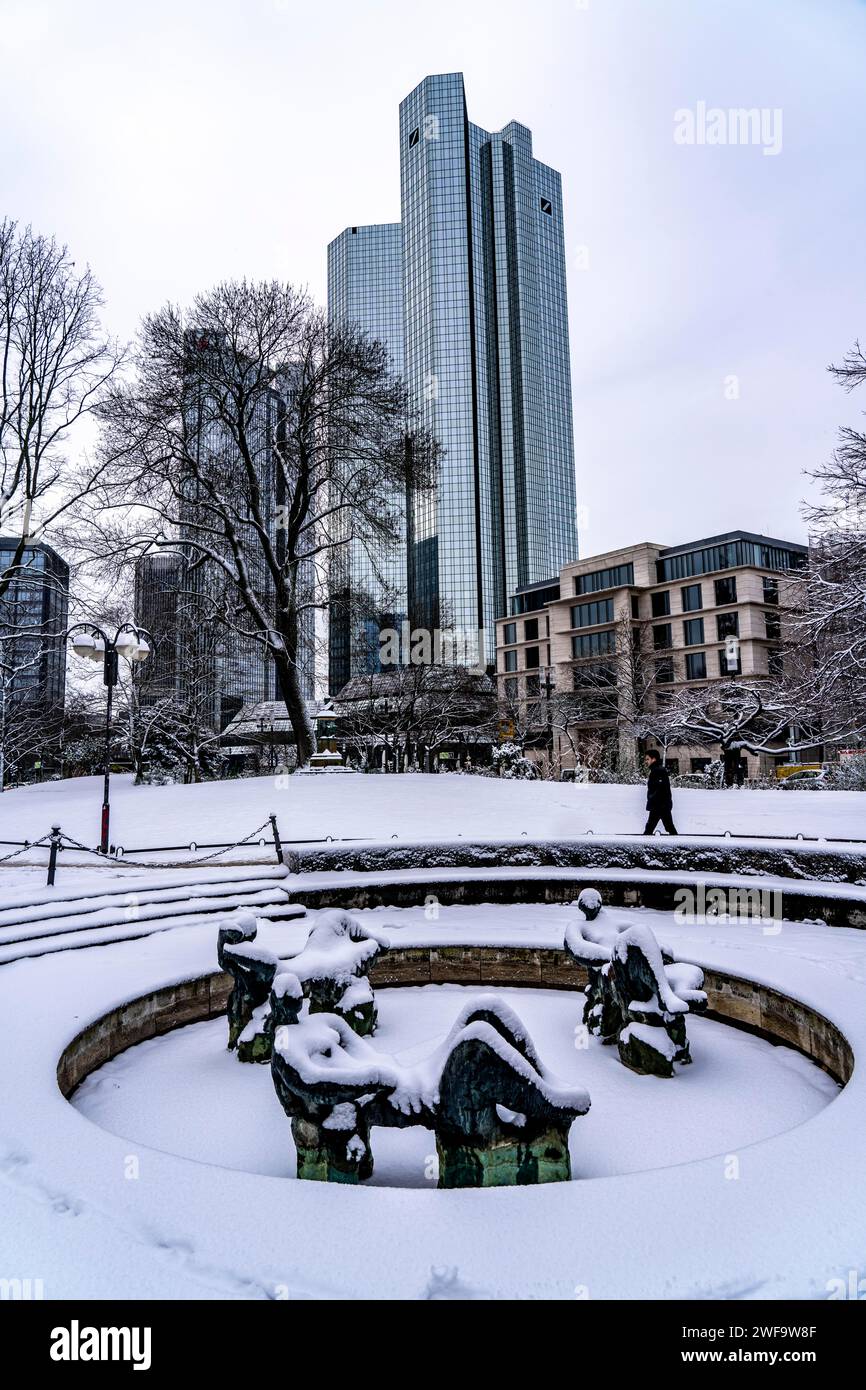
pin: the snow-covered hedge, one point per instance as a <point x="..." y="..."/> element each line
<point x="809" y="862"/>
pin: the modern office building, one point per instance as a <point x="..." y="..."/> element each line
<point x="365" y="288"/>
<point x="202" y="650"/>
<point x="485" y="353"/>
<point x="33" y="618"/>
<point x="703" y="612"/>
<point x="160" y="606"/>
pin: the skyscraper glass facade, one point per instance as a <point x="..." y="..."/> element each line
<point x="486" y="357"/>
<point x="365" y="289"/>
<point x="33" y="618"/>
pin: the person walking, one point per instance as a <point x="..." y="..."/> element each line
<point x="659" y="798"/>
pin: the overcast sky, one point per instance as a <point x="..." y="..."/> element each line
<point x="178" y="142"/>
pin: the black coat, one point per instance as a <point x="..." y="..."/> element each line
<point x="658" y="789"/>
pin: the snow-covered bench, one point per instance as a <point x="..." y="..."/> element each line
<point x="499" y="1117"/>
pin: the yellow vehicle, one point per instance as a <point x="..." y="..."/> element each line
<point x="791" y="769"/>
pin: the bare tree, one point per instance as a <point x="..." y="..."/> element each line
<point x="56" y="365"/>
<point x="415" y="710"/>
<point x="739" y="716"/>
<point x="262" y="441"/>
<point x="828" y="627"/>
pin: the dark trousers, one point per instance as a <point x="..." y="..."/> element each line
<point x="663" y="814"/>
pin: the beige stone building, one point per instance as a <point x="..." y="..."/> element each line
<point x="708" y="611"/>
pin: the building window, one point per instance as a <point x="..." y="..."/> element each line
<point x="596" y="676"/>
<point x="592" y="614"/>
<point x="673" y="766"/>
<point x="726" y="591"/>
<point x="533" y="658"/>
<point x="693" y="598"/>
<point x="509" y="634"/>
<point x="774" y="627"/>
<point x="696" y="666"/>
<point x="771" y="590"/>
<point x="733" y="554"/>
<point x="618" y="577"/>
<point x="661" y="604"/>
<point x="511" y="688"/>
<point x="663" y="637"/>
<point x="693" y="632"/>
<point x="533" y="686"/>
<point x="547" y="206"/>
<point x="665" y="672"/>
<point x="530" y="630"/>
<point x="635" y="607"/>
<point x="728" y="625"/>
<point x="775" y="662"/>
<point x="593" y="644"/>
<point x="510" y="661"/>
<point x="730" y="663"/>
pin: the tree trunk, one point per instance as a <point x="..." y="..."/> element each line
<point x="296" y="705"/>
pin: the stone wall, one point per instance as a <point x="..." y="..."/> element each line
<point x="836" y="911"/>
<point x="831" y="863"/>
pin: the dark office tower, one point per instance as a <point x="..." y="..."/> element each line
<point x="365" y="289"/>
<point x="208" y="646"/>
<point x="486" y="357"/>
<point x="33" y="619"/>
<point x="160" y="607"/>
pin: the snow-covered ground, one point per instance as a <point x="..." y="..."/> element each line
<point x="186" y="1094"/>
<point x="406" y="807"/>
<point x="192" y="1202"/>
<point x="97" y="1215"/>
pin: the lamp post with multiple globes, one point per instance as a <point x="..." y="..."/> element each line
<point x="133" y="644"/>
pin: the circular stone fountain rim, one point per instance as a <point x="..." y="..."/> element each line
<point x="291" y="1230"/>
<point x="165" y="1009"/>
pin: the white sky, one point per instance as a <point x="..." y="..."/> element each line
<point x="174" y="144"/>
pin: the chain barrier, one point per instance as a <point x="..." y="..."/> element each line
<point x="58" y="840"/>
<point x="28" y="844"/>
<point x="165" y="863"/>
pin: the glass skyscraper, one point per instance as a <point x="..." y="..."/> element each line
<point x="365" y="287"/>
<point x="484" y="348"/>
<point x="34" y="612"/>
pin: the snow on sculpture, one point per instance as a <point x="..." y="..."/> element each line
<point x="331" y="971"/>
<point x="251" y="968"/>
<point x="636" y="996"/>
<point x="654" y="999"/>
<point x="590" y="944"/>
<point x="590" y="904"/>
<point x="499" y="1117"/>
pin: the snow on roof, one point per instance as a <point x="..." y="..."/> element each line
<point x="271" y="716"/>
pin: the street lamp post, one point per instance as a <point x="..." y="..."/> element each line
<point x="548" y="691"/>
<point x="132" y="643"/>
